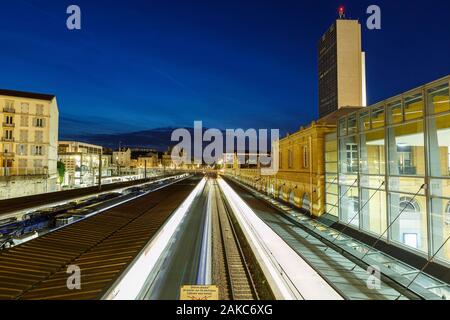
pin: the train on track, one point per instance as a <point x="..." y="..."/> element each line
<point x="44" y="219"/>
<point x="12" y="230"/>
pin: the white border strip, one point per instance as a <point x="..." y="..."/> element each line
<point x="289" y="276"/>
<point x="133" y="279"/>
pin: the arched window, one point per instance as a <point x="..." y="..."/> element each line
<point x="280" y="193"/>
<point x="408" y="205"/>
<point x="306" y="202"/>
<point x="292" y="197"/>
<point x="270" y="191"/>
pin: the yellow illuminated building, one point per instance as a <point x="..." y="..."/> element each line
<point x="29" y="142"/>
<point x="301" y="176"/>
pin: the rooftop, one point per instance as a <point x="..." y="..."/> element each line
<point x="29" y="95"/>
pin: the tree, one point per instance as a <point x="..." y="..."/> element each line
<point x="61" y="171"/>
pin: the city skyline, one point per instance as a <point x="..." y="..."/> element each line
<point x="264" y="63"/>
<point x="253" y="151"/>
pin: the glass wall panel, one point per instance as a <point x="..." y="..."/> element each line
<point x="439" y="145"/>
<point x="372" y="152"/>
<point x="395" y="112"/>
<point x="438" y="99"/>
<point x="373" y="212"/>
<point x="349" y="205"/>
<point x="414" y="107"/>
<point x="343" y="127"/>
<point x="440" y="187"/>
<point x="352" y="127"/>
<point x="406" y="149"/>
<point x="348" y="155"/>
<point x="331" y="178"/>
<point x="333" y="189"/>
<point x="364" y="120"/>
<point x="372" y="182"/>
<point x="406" y="184"/>
<point x="332" y="199"/>
<point x="378" y="117"/>
<point x="440" y="228"/>
<point x="410" y="229"/>
<point x="332" y="210"/>
<point x="331" y="165"/>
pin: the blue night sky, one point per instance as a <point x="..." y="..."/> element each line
<point x="138" y="65"/>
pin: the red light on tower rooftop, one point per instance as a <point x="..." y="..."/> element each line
<point x="341" y="12"/>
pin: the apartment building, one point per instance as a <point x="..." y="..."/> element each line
<point x="29" y="142"/>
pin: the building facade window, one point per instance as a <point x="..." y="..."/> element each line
<point x="38" y="150"/>
<point x="352" y="157"/>
<point x="290" y="159"/>
<point x="395" y="112"/>
<point x="39" y="137"/>
<point x="23" y="121"/>
<point x="39" y="109"/>
<point x="406" y="149"/>
<point x="281" y="160"/>
<point x="25" y="108"/>
<point x="402" y="181"/>
<point x="413" y="107"/>
<point x="8" y="135"/>
<point x="9" y="120"/>
<point x="305" y="157"/>
<point x="377" y="118"/>
<point x="23" y="163"/>
<point x="9" y="105"/>
<point x="24" y="136"/>
<point x="37" y="164"/>
<point x="22" y="150"/>
<point x="40" y="123"/>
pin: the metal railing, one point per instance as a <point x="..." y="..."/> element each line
<point x="7" y="154"/>
<point x="11" y="172"/>
<point x="9" y="125"/>
<point x="9" y="110"/>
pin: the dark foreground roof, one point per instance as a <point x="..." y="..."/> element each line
<point x="30" y="95"/>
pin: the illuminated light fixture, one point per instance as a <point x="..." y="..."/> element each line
<point x="341" y="12"/>
<point x="130" y="284"/>
<point x="289" y="276"/>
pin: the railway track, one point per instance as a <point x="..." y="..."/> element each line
<point x="240" y="283"/>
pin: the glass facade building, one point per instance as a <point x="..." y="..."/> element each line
<point x="388" y="170"/>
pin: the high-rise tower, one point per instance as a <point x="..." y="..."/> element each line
<point x="342" y="79"/>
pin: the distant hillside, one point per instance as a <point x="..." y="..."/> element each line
<point x="155" y="138"/>
<point x="159" y="139"/>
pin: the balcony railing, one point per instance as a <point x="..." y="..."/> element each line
<point x="7" y="154"/>
<point x="9" y="125"/>
<point x="9" y="110"/>
<point x="5" y="139"/>
<point x="14" y="172"/>
<point x="410" y="171"/>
